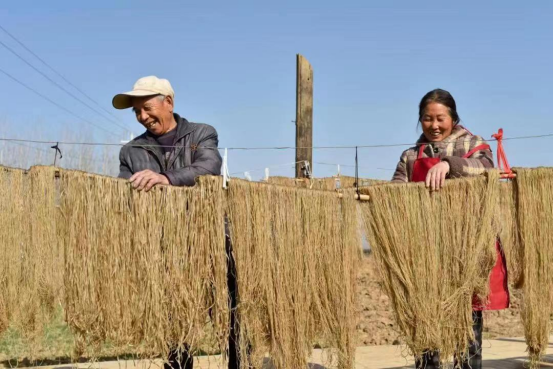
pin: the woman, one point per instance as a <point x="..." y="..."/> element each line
<point x="448" y="150"/>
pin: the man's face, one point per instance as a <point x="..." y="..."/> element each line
<point x="155" y="114"/>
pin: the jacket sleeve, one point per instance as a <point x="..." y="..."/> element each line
<point x="207" y="160"/>
<point x="476" y="164"/>
<point x="401" y="169"/>
<point x="124" y="168"/>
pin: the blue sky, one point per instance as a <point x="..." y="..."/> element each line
<point x="232" y="65"/>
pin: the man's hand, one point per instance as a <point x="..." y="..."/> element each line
<point x="145" y="180"/>
<point x="435" y="179"/>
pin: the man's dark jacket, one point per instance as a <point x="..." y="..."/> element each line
<point x="195" y="154"/>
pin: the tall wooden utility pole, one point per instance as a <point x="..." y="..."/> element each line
<point x="304" y="115"/>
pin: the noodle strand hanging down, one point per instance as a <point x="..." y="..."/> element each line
<point x="534" y="189"/>
<point x="434" y="251"/>
<point x="296" y="252"/>
<point x="144" y="268"/>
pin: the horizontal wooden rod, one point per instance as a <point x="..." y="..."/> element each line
<point x="357" y="196"/>
<point x="365" y="197"/>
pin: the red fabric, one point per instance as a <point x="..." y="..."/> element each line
<point x="498" y="298"/>
<point x="475" y="149"/>
<point x="422" y="166"/>
<point x="502" y="163"/>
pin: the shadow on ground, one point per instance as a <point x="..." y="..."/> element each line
<point x="268" y="364"/>
<point x="505" y="363"/>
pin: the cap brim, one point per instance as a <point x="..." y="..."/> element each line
<point x="124" y="100"/>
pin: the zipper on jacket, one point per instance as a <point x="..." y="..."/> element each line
<point x="175" y="154"/>
<point x="156" y="156"/>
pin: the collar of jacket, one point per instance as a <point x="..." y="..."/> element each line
<point x="148" y="141"/>
<point x="183" y="128"/>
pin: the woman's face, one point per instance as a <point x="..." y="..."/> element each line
<point x="436" y="122"/>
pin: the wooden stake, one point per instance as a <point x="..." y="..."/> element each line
<point x="304" y="114"/>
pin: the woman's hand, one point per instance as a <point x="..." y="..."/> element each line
<point x="435" y="179"/>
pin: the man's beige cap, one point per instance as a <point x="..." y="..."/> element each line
<point x="146" y="86"/>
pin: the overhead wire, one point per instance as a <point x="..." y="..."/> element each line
<point x="57" y="105"/>
<point x="80" y="157"/>
<point x="270" y="166"/>
<point x="61" y="87"/>
<point x="57" y="73"/>
<point x="356" y="166"/>
<point x="385" y="145"/>
<point x="353" y="166"/>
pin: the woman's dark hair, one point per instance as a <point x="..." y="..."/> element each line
<point x="442" y="97"/>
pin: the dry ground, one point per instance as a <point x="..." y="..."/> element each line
<point x="376" y="323"/>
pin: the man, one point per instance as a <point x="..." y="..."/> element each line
<point x="172" y="151"/>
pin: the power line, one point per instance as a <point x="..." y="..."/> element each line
<point x="57" y="105"/>
<point x="60" y="87"/>
<point x="81" y="157"/>
<point x="525" y="137"/>
<point x="270" y="166"/>
<point x="31" y="147"/>
<point x="57" y="73"/>
<point x="353" y="166"/>
<point x="385" y="145"/>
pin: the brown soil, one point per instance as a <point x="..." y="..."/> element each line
<point x="376" y="322"/>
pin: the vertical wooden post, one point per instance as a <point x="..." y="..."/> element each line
<point x="304" y="114"/>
